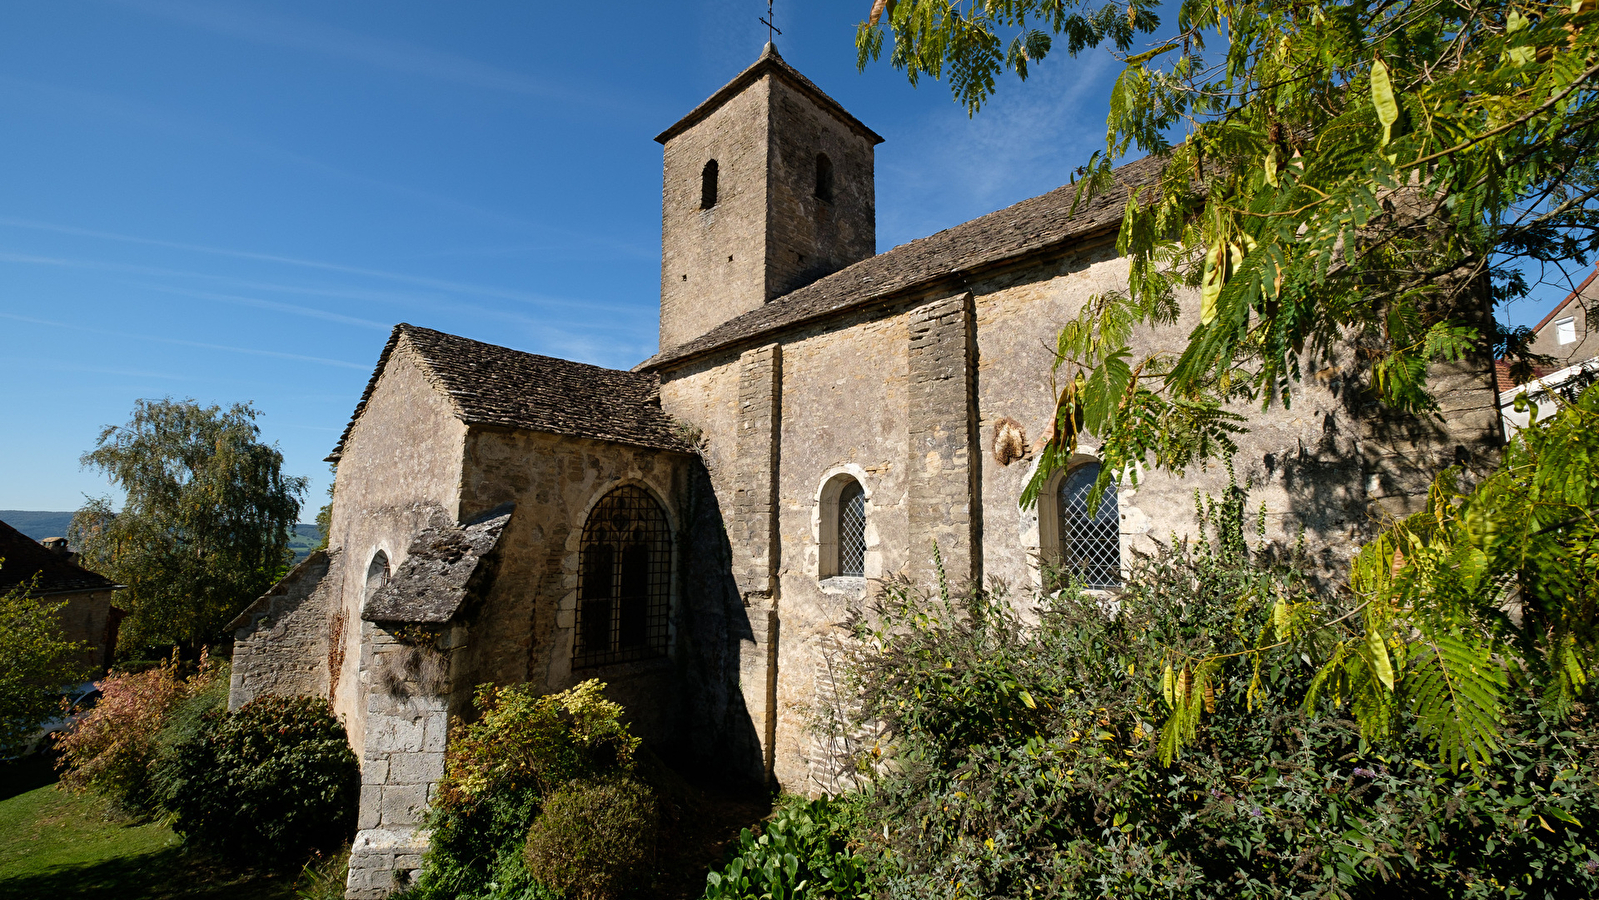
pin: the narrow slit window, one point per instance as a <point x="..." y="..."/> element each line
<point x="824" y="177"/>
<point x="624" y="588"/>
<point x="708" y="177"/>
<point x="1090" y="546"/>
<point x="377" y="573"/>
<point x="852" y="530"/>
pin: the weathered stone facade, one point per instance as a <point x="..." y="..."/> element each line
<point x="818" y="419"/>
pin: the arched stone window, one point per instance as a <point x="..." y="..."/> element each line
<point x="843" y="529"/>
<point x="708" y="185"/>
<point x="624" y="580"/>
<point x="1089" y="546"/>
<point x="377" y="575"/>
<point x="824" y="177"/>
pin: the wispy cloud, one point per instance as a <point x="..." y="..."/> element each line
<point x="1025" y="142"/>
<point x="290" y="308"/>
<point x="252" y="351"/>
<point x="151" y="118"/>
<point x="400" y="277"/>
<point x="297" y="33"/>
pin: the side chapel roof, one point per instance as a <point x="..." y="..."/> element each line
<point x="25" y="557"/>
<point x="492" y="385"/>
<point x="1037" y="225"/>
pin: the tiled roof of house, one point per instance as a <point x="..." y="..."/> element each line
<point x="1036" y="225"/>
<point x="1504" y="381"/>
<point x="24" y="558"/>
<point x="492" y="385"/>
<point x="769" y="62"/>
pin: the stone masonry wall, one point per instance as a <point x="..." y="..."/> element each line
<point x="753" y="529"/>
<point x="713" y="261"/>
<point x="401" y="467"/>
<point x="942" y="499"/>
<point x="284" y="647"/>
<point x="809" y="237"/>
<point x="524" y="629"/>
<point x="905" y="399"/>
<point x="408" y="707"/>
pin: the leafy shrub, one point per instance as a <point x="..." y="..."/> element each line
<point x="111" y="750"/>
<point x="804" y="851"/>
<point x="35" y="663"/>
<point x="1025" y="759"/>
<point x="595" y="841"/>
<point x="268" y="783"/>
<point x="205" y="695"/>
<point x="523" y="748"/>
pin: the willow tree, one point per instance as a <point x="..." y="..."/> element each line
<point x="1331" y="171"/>
<point x="204" y="526"/>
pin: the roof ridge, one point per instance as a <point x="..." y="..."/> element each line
<point x="769" y="60"/>
<point x="1036" y="224"/>
<point x="490" y="384"/>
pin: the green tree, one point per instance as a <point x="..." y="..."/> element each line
<point x="204" y="526"/>
<point x="35" y="662"/>
<point x="1327" y="174"/>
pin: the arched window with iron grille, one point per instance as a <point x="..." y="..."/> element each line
<point x="1090" y="546"/>
<point x="852" y="529"/>
<point x="624" y="583"/>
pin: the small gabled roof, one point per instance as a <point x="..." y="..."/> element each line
<point x="25" y="557"/>
<point x="769" y="63"/>
<point x="1042" y="224"/>
<point x="492" y="385"/>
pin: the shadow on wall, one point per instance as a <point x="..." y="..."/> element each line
<point x="720" y="736"/>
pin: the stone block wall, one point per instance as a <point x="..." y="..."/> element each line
<point x="400" y="472"/>
<point x="409" y="688"/>
<point x="288" y="639"/>
<point x="713" y="261"/>
<point x="525" y="627"/>
<point x="809" y="237"/>
<point x="753" y="530"/>
<point x="942" y="498"/>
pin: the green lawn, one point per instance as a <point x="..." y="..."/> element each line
<point x="59" y="845"/>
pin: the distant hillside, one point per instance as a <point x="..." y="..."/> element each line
<point x="303" y="539"/>
<point x="39" y="524"/>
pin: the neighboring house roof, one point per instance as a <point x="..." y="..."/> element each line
<point x="768" y="63"/>
<point x="24" y="558"/>
<point x="1505" y="382"/>
<point x="1560" y="307"/>
<point x="1040" y="224"/>
<point x="492" y="385"/>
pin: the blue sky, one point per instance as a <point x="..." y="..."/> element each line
<point x="235" y="201"/>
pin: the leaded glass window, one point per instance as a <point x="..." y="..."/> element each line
<point x="852" y="529"/>
<point x="1090" y="546"/>
<point x="624" y="583"/>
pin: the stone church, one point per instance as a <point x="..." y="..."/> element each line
<point x="819" y="416"/>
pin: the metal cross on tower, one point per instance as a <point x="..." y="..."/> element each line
<point x="770" y="28"/>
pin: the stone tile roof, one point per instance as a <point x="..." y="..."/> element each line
<point x="769" y="62"/>
<point x="441" y="571"/>
<point x="1043" y="223"/>
<point x="24" y="557"/>
<point x="492" y="385"/>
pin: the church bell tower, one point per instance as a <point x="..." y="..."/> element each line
<point x="767" y="186"/>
